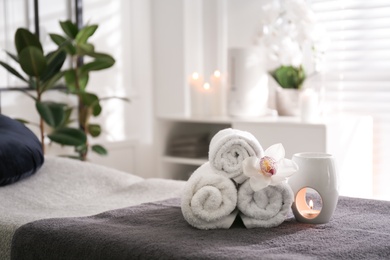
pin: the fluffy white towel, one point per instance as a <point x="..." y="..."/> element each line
<point x="264" y="208"/>
<point x="228" y="148"/>
<point x="209" y="200"/>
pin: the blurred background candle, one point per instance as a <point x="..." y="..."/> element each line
<point x="207" y="98"/>
<point x="196" y="85"/>
<point x="308" y="101"/>
<point x="217" y="92"/>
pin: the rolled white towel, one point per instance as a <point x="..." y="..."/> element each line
<point x="264" y="208"/>
<point x="209" y="200"/>
<point x="228" y="148"/>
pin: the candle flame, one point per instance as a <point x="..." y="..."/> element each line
<point x="206" y="86"/>
<point x="311" y="204"/>
<point x="195" y="75"/>
<point x="217" y="73"/>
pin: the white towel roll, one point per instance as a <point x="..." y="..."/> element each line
<point x="264" y="208"/>
<point x="228" y="148"/>
<point x="209" y="200"/>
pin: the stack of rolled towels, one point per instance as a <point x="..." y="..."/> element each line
<point x="219" y="190"/>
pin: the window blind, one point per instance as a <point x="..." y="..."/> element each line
<point x="356" y="75"/>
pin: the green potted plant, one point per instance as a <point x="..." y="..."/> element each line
<point x="76" y="43"/>
<point x="289" y="77"/>
<point x="41" y="73"/>
<point x="294" y="46"/>
<point x="289" y="83"/>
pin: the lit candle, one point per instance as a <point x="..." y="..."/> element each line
<point x="216" y="84"/>
<point x="196" y="85"/>
<point x="207" y="99"/>
<point x="308" y="105"/>
<point x="310" y="213"/>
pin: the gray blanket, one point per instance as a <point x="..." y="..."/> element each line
<point x="360" y="229"/>
<point x="71" y="188"/>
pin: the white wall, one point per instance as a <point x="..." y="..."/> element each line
<point x="243" y="21"/>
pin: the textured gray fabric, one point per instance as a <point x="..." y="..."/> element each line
<point x="360" y="229"/>
<point x="70" y="188"/>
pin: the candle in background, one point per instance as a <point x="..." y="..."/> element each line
<point x="196" y="85"/>
<point x="308" y="101"/>
<point x="216" y="84"/>
<point x="207" y="94"/>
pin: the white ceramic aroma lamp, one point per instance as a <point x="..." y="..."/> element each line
<point x="316" y="172"/>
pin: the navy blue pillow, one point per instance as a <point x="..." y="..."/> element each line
<point x="21" y="153"/>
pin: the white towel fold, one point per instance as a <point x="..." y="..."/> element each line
<point x="209" y="200"/>
<point x="264" y="208"/>
<point x="228" y="148"/>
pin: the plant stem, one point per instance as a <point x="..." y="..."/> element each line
<point x="82" y="110"/>
<point x="41" y="125"/>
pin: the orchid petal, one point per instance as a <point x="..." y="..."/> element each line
<point x="251" y="166"/>
<point x="259" y="182"/>
<point x="276" y="152"/>
<point x="287" y="168"/>
<point x="275" y="180"/>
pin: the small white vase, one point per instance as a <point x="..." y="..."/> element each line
<point x="287" y="101"/>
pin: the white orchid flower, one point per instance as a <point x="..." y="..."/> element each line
<point x="271" y="169"/>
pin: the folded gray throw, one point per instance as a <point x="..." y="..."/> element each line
<point x="360" y="229"/>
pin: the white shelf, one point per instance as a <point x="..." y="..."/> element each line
<point x="348" y="138"/>
<point x="183" y="160"/>
<point x="197" y="119"/>
<point x="265" y="120"/>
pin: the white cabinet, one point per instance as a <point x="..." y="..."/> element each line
<point x="348" y="138"/>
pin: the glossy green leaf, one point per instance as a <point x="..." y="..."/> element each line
<point x="102" y="56"/>
<point x="121" y="98"/>
<point x="70" y="79"/>
<point x="50" y="83"/>
<point x="57" y="39"/>
<point x="32" y="61"/>
<point x="68" y="113"/>
<point x="94" y="129"/>
<point x="97" y="64"/>
<point x="68" y="136"/>
<point x="24" y="38"/>
<point x="99" y="149"/>
<point x="70" y="29"/>
<point x="13" y="56"/>
<point x="92" y="101"/>
<point x="85" y="49"/>
<point x="55" y="61"/>
<point x="52" y="113"/>
<point x="62" y="42"/>
<point x="27" y="93"/>
<point x="85" y="33"/>
<point x="23" y="121"/>
<point x="89" y="99"/>
<point x="32" y="82"/>
<point x="12" y="71"/>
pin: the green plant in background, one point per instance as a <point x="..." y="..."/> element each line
<point x="41" y="74"/>
<point x="76" y="44"/>
<point x="289" y="76"/>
